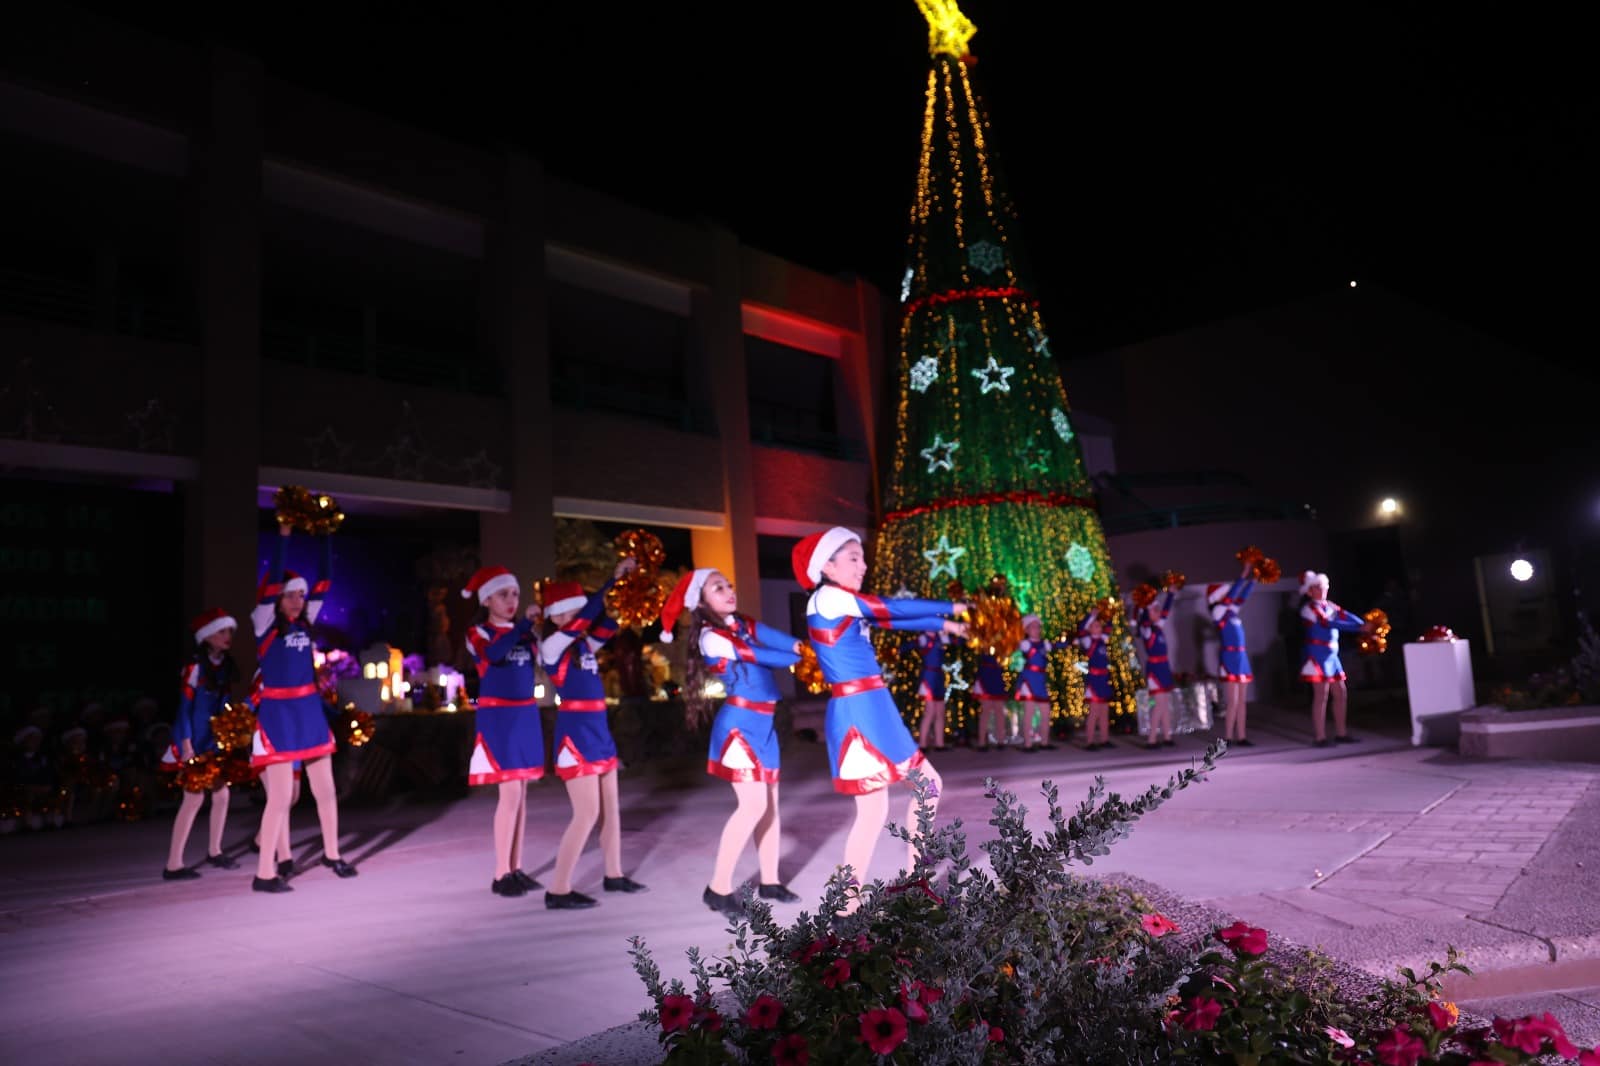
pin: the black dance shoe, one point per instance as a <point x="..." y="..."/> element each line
<point x="339" y="867"/>
<point x="286" y="869"/>
<point x="1346" y="739"/>
<point x="270" y="884"/>
<point x="780" y="893"/>
<point x="570" y="901"/>
<point x="1243" y="743"/>
<point x="181" y="874"/>
<point x="507" y="886"/>
<point x="221" y="862"/>
<point x="526" y="881"/>
<point x="728" y="904"/>
<point x="621" y="884"/>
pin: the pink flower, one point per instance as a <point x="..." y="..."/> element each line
<point x="676" y="1012"/>
<point x="1400" y="1048"/>
<point x="708" y="1019"/>
<point x="997" y="1035"/>
<point x="911" y="1002"/>
<point x="810" y="951"/>
<point x="1589" y="1058"/>
<point x="1442" y="1016"/>
<point x="861" y="945"/>
<point x="1244" y="939"/>
<point x="1528" y="1035"/>
<point x="883" y="1029"/>
<point x="764" y="1012"/>
<point x="1339" y="1036"/>
<point x="837" y="973"/>
<point x="1158" y="925"/>
<point x="791" y="1051"/>
<point x="1201" y="1015"/>
<point x="1558" y="1036"/>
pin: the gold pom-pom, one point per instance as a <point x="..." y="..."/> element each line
<point x="357" y="726"/>
<point x="1267" y="571"/>
<point x="130" y="807"/>
<point x="808" y="671"/>
<point x="637" y="597"/>
<point x="1107" y="608"/>
<point x="1377" y="641"/>
<point x="236" y="769"/>
<point x="234" y="727"/>
<point x="993" y="621"/>
<point x="310" y="512"/>
<point x="1143" y="595"/>
<point x="1173" y="579"/>
<point x="200" y="774"/>
<point x="1250" y="554"/>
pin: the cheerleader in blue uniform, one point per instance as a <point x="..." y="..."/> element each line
<point x="869" y="746"/>
<point x="207" y="682"/>
<point x="990" y="689"/>
<point x="1323" y="620"/>
<point x="931" y="689"/>
<point x="1147" y="623"/>
<point x="586" y="756"/>
<point x="1225" y="601"/>
<point x="290" y="722"/>
<point x="1032" y="691"/>
<point x="508" y="749"/>
<point x="1097" y="682"/>
<point x="741" y="653"/>
<point x="285" y="852"/>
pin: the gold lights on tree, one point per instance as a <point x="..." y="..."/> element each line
<point x="949" y="31"/>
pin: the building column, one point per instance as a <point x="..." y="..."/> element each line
<point x="717" y="325"/>
<point x="862" y="373"/>
<point x="516" y="329"/>
<point x="220" y="510"/>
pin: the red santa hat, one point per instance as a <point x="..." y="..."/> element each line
<point x="685" y="597"/>
<point x="213" y="621"/>
<point x="292" y="582"/>
<point x="1311" y="577"/>
<point x="1216" y="592"/>
<point x="487" y="581"/>
<point x="813" y="552"/>
<point x="563" y="596"/>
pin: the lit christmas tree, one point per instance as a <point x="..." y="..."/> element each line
<point x="988" y="475"/>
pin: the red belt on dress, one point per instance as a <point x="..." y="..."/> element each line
<point x="581" y="705"/>
<point x="496" y="701"/>
<point x="1036" y="669"/>
<point x="1324" y="643"/>
<point x="758" y="706"/>
<point x="272" y="692"/>
<point x="1158" y="658"/>
<point x="855" y="685"/>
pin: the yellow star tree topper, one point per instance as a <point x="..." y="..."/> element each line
<point x="949" y="31"/>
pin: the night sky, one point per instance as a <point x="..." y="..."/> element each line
<point x="1169" y="169"/>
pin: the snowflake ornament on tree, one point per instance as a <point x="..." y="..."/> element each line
<point x="1040" y="343"/>
<point x="994" y="376"/>
<point x="1058" y="418"/>
<point x="1080" y="563"/>
<point x="905" y="286"/>
<point x="941" y="454"/>
<point x="942" y="557"/>
<point x="923" y="373"/>
<point x="986" y="256"/>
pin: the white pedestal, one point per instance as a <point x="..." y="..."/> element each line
<point x="1438" y="681"/>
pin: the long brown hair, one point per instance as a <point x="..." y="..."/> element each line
<point x="698" y="708"/>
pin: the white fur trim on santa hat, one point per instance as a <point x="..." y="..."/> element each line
<point x="1031" y="618"/>
<point x="295" y="584"/>
<point x="25" y="732"/>
<point x="1311" y="577"/>
<point x="685" y="597"/>
<point x="831" y="541"/>
<point x="216" y="625"/>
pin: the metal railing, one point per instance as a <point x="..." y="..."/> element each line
<point x="1200" y="514"/>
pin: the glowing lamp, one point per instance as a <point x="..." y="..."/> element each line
<point x="1522" y="570"/>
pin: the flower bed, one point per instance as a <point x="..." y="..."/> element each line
<point x="1027" y="962"/>
<point x="1566" y="733"/>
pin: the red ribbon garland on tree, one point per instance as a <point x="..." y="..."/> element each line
<point x="1043" y="499"/>
<point x="938" y="299"/>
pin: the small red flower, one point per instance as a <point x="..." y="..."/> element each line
<point x="1589" y="1058"/>
<point x="1520" y="1033"/>
<point x="997" y="1035"/>
<point x="791" y="1051"/>
<point x="929" y="994"/>
<point x="1200" y="1015"/>
<point x="914" y="1010"/>
<point x="1400" y="1048"/>
<point x="676" y="1012"/>
<point x="861" y="945"/>
<point x="708" y="1019"/>
<point x="1158" y="925"/>
<point x="837" y="973"/>
<point x="1244" y="939"/>
<point x="883" y="1029"/>
<point x="810" y="951"/>
<point x="1441" y="1016"/>
<point x="764" y="1012"/>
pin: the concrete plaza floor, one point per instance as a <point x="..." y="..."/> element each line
<point x="1378" y="852"/>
